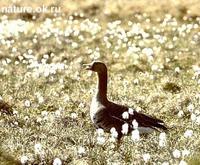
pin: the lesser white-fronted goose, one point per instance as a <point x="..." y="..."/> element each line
<point x="106" y="114"/>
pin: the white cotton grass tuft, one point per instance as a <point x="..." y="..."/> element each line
<point x="40" y="99"/>
<point x="165" y="163"/>
<point x="180" y="114"/>
<point x="190" y="107"/>
<point x="81" y="151"/>
<point x="100" y="136"/>
<point x="23" y="159"/>
<point x="188" y="133"/>
<point x="162" y="139"/>
<point x="74" y="115"/>
<point x="154" y="68"/>
<point x="130" y="111"/>
<point x="193" y="117"/>
<point x="135" y="135"/>
<point x="101" y="140"/>
<point x="148" y="52"/>
<point x="27" y="103"/>
<point x="100" y="132"/>
<point x="185" y="153"/>
<point x="39" y="120"/>
<point x="146" y="157"/>
<point x="198" y="120"/>
<point x="38" y="148"/>
<point x="176" y="153"/>
<point x="44" y="113"/>
<point x="125" y="128"/>
<point x="182" y="162"/>
<point x="135" y="124"/>
<point x="113" y="132"/>
<point x="125" y="115"/>
<point x="136" y="81"/>
<point x="57" y="113"/>
<point x="57" y="161"/>
<point x="15" y="112"/>
<point x="177" y="70"/>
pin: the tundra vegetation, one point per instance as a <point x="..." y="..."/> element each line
<point x="152" y="50"/>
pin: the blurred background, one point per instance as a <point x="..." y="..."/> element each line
<point x="112" y="8"/>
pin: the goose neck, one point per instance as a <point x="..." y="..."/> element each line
<point x="102" y="86"/>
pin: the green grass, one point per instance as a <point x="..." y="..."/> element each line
<point x="60" y="121"/>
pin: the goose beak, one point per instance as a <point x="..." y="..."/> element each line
<point x="88" y="66"/>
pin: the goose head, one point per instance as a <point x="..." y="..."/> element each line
<point x="96" y="66"/>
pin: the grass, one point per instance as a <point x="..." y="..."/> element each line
<point x="44" y="110"/>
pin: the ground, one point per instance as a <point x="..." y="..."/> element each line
<point x="152" y="54"/>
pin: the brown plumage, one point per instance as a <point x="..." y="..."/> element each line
<point x="106" y="114"/>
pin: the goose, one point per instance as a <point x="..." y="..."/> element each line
<point x="107" y="115"/>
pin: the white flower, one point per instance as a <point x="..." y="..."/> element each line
<point x="190" y="107"/>
<point x="30" y="51"/>
<point x="185" y="153"/>
<point x="135" y="135"/>
<point x="14" y="49"/>
<point x="180" y="113"/>
<point x="182" y="162"/>
<point x="197" y="112"/>
<point x="81" y="105"/>
<point x="15" y="112"/>
<point x="81" y="150"/>
<point x="100" y="132"/>
<point x="154" y="68"/>
<point x="162" y="139"/>
<point x="61" y="81"/>
<point x="177" y="70"/>
<point x="44" y="113"/>
<point x="74" y="115"/>
<point x="57" y="113"/>
<point x="167" y="60"/>
<point x="188" y="133"/>
<point x="24" y="159"/>
<point x="40" y="99"/>
<point x="136" y="81"/>
<point x="165" y="163"/>
<point x="193" y="117"/>
<point x="125" y="128"/>
<point x="100" y="140"/>
<point x="162" y="136"/>
<point x="15" y="123"/>
<point x="38" y="148"/>
<point x="26" y="118"/>
<point x="162" y="143"/>
<point x="130" y="111"/>
<point x="198" y="120"/>
<point x="135" y="124"/>
<point x="39" y="120"/>
<point x="27" y="103"/>
<point x="148" y="52"/>
<point x="176" y="153"/>
<point x="113" y="132"/>
<point x="125" y="115"/>
<point x="146" y="157"/>
<point x="57" y="161"/>
<point x="74" y="45"/>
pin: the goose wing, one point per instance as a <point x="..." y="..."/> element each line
<point x="116" y="111"/>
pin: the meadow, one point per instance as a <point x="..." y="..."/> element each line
<point x="152" y="51"/>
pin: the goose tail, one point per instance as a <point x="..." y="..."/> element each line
<point x="151" y="122"/>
